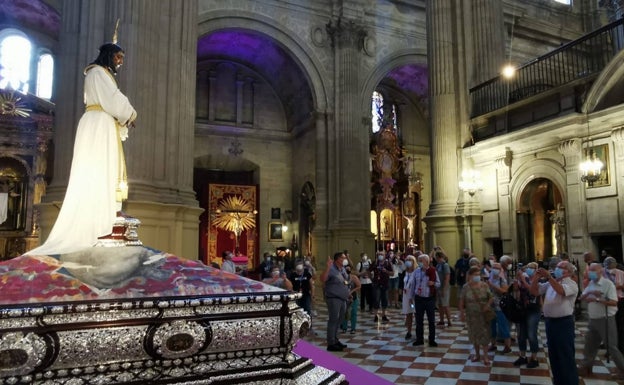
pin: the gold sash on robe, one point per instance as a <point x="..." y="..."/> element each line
<point x="121" y="190"/>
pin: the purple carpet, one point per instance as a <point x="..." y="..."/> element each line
<point x="355" y="375"/>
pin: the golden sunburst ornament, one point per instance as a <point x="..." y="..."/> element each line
<point x="235" y="214"/>
<point x="12" y="105"/>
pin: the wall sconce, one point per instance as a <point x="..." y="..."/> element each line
<point x="288" y="215"/>
<point x="591" y="167"/>
<point x="471" y="182"/>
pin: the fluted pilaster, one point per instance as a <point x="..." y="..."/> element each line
<point x="351" y="139"/>
<point x="442" y="59"/>
<point x="488" y="39"/>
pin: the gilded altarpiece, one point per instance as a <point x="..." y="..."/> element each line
<point x="220" y="240"/>
<point x="25" y="136"/>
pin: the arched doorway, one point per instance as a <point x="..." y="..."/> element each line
<point x="540" y="221"/>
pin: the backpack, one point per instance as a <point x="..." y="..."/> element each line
<point x="513" y="309"/>
<point x="452" y="280"/>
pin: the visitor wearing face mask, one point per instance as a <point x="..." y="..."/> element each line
<point x="475" y="297"/>
<point x="302" y="283"/>
<point x="408" y="294"/>
<point x="559" y="293"/>
<point x="336" y="290"/>
<point x="352" y="303"/>
<point x="601" y="298"/>
<point x="499" y="285"/>
<point x="527" y="329"/>
<point x="365" y="281"/>
<point x="266" y="266"/>
<point x="426" y="284"/>
<point x="278" y="279"/>
<point x="616" y="276"/>
<point x="380" y="272"/>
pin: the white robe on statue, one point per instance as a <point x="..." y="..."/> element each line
<point x="90" y="205"/>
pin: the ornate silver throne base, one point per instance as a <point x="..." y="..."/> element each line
<point x="233" y="338"/>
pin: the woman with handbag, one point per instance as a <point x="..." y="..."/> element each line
<point x="476" y="311"/>
<point x="527" y="329"/>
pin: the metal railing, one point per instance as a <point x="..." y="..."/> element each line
<point x="575" y="60"/>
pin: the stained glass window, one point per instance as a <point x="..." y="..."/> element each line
<point x="377" y="111"/>
<point x="45" y="75"/>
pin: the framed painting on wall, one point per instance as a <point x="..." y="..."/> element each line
<point x="275" y="232"/>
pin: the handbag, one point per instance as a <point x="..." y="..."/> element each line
<point x="514" y="310"/>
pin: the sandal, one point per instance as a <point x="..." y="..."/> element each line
<point x="486" y="362"/>
<point x="475" y="358"/>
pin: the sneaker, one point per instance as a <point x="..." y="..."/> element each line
<point x="385" y="319"/>
<point x="408" y="335"/>
<point x="506" y="350"/>
<point x="417" y="343"/>
<point x="352" y="331"/>
<point x="532" y="364"/>
<point x="341" y="345"/>
<point x="441" y="323"/>
<point x="433" y="344"/>
<point x="376" y="319"/>
<point x="520" y="361"/>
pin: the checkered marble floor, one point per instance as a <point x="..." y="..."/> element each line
<point x="381" y="348"/>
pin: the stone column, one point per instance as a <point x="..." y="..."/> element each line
<point x="321" y="245"/>
<point x="575" y="193"/>
<point x="158" y="77"/>
<point x="349" y="142"/>
<point x="488" y="39"/>
<point x="445" y="58"/>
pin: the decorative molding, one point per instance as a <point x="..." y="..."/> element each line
<point x="570" y="147"/>
<point x="347" y="34"/>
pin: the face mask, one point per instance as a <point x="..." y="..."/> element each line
<point x="275" y="274"/>
<point x="476" y="278"/>
<point x="299" y="269"/>
<point x="593" y="275"/>
<point x="420" y="264"/>
<point x="558" y="273"/>
<point x="530" y="271"/>
<point x="408" y="264"/>
<point x="508" y="267"/>
<point x="380" y="258"/>
<point x="307" y="263"/>
<point x="345" y="262"/>
<point x="268" y="259"/>
<point x="496" y="271"/>
<point x="364" y="258"/>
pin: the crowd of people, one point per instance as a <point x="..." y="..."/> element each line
<point x="419" y="284"/>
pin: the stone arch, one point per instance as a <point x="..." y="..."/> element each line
<point x="607" y="87"/>
<point x="311" y="66"/>
<point x="532" y="228"/>
<point x="399" y="58"/>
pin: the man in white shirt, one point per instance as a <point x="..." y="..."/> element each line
<point x="228" y="265"/>
<point x="560" y="294"/>
<point x="601" y="298"/>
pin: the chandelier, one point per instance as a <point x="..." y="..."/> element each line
<point x="591" y="167"/>
<point x="471" y="182"/>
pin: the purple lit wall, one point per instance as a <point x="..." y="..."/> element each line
<point x="265" y="56"/>
<point x="411" y="78"/>
<point x="32" y="14"/>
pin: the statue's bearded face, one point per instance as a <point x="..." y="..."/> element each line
<point x="118" y="59"/>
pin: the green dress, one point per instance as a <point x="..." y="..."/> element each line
<point x="475" y="299"/>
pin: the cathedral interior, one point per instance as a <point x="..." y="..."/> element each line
<point x="330" y="124"/>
